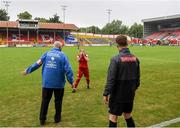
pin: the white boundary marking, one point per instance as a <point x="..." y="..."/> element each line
<point x="166" y="123"/>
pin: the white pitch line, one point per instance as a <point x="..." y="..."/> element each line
<point x="166" y="123"/>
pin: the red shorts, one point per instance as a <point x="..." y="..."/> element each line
<point x="81" y="72"/>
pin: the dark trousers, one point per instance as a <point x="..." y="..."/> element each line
<point x="46" y="97"/>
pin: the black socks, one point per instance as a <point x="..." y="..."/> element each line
<point x="130" y="122"/>
<point x="112" y="124"/>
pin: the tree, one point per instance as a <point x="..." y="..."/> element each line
<point x="54" y="19"/>
<point x="90" y="29"/>
<point x="41" y="19"/>
<point x="115" y="27"/>
<point x="82" y="29"/>
<point x="24" y="15"/>
<point x="136" y="30"/>
<point x="4" y="15"/>
<point x="94" y="29"/>
<point x="124" y="29"/>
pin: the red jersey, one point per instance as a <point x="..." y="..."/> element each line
<point x="82" y="61"/>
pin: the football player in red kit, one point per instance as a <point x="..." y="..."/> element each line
<point x="83" y="59"/>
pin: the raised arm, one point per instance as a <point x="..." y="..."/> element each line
<point x="34" y="66"/>
<point x="78" y="57"/>
<point x="86" y="57"/>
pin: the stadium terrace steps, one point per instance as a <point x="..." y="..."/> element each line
<point x="90" y="39"/>
<point x="165" y="35"/>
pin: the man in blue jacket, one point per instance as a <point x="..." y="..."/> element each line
<point x="55" y="66"/>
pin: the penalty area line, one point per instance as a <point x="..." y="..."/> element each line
<point x="167" y="123"/>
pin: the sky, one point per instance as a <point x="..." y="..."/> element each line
<point x="84" y="13"/>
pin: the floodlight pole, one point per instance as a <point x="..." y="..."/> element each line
<point x="6" y="3"/>
<point x="109" y="16"/>
<point x="64" y="12"/>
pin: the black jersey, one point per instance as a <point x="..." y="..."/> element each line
<point x="123" y="77"/>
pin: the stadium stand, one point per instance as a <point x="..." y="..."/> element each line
<point x="154" y="35"/>
<point x="166" y="35"/>
<point x="98" y="40"/>
<point x="162" y="30"/>
<point x="32" y="31"/>
<point x="91" y="39"/>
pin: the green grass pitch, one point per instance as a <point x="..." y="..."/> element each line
<point x="157" y="99"/>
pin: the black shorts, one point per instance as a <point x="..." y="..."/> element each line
<point x="119" y="108"/>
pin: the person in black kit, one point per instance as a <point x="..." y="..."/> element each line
<point x="122" y="81"/>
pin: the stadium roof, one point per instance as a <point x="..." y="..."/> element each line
<point x="157" y="19"/>
<point x="57" y="26"/>
<point x="14" y="24"/>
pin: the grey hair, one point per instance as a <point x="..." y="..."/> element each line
<point x="57" y="44"/>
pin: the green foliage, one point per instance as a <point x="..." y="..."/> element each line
<point x="91" y="29"/>
<point x="115" y="27"/>
<point x="41" y="19"/>
<point x="157" y="98"/>
<point x="82" y="29"/>
<point x="124" y="29"/>
<point x="136" y="30"/>
<point x="54" y="19"/>
<point x="24" y="15"/>
<point x="4" y="15"/>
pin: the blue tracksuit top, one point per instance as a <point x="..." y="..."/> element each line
<point x="55" y="66"/>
